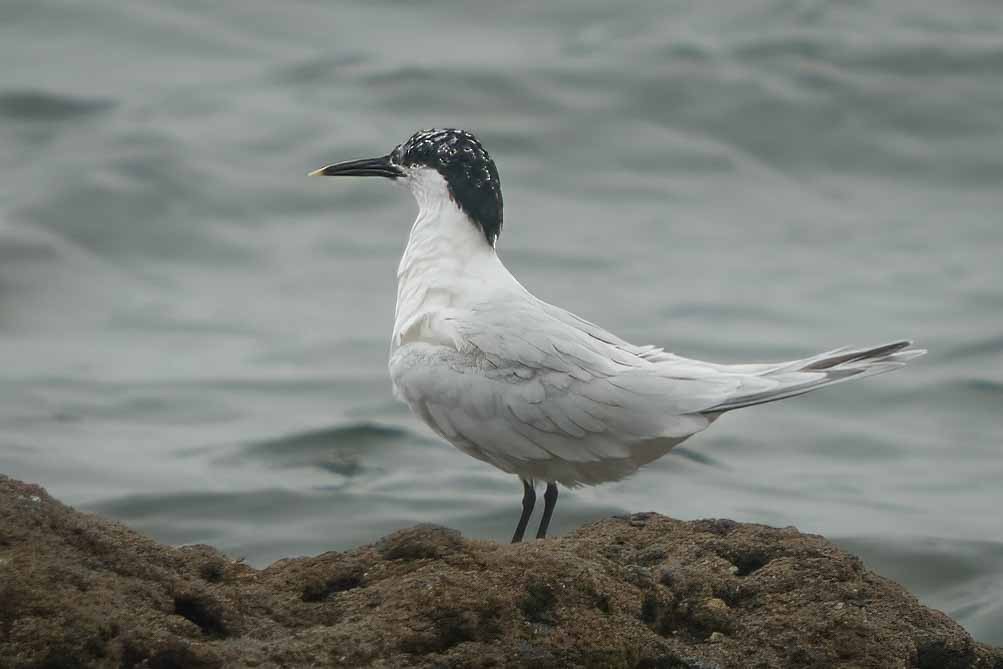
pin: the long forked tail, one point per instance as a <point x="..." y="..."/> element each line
<point x="803" y="376"/>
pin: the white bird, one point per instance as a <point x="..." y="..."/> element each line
<point x="531" y="388"/>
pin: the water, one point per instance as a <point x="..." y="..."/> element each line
<point x="193" y="335"/>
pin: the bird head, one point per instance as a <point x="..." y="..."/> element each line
<point x="438" y="164"/>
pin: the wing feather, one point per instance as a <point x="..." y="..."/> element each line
<point x="537" y="391"/>
<point x="520" y="386"/>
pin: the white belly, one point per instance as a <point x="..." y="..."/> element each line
<point x="454" y="394"/>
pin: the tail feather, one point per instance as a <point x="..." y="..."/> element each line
<point x="825" y="369"/>
<point x="853" y="356"/>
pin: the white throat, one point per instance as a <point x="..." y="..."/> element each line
<point x="447" y="262"/>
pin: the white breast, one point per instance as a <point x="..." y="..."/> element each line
<point x="448" y="263"/>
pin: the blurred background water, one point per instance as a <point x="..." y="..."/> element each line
<point x="193" y="335"/>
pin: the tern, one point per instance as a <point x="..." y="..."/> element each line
<point x="531" y="388"/>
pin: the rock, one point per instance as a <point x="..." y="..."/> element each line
<point x="643" y="591"/>
<point x="420" y="542"/>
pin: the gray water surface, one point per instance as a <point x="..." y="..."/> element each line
<point x="193" y="335"/>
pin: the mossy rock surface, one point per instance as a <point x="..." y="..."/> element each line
<point x="643" y="591"/>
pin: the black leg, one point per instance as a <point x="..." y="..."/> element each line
<point x="528" y="500"/>
<point x="549" y="502"/>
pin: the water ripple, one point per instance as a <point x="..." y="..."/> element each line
<point x="42" y="106"/>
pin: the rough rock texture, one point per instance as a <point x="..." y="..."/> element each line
<point x="645" y="592"/>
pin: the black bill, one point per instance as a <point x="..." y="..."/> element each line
<point x="367" y="167"/>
